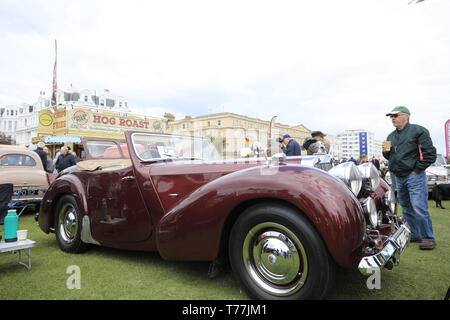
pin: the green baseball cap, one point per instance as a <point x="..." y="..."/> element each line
<point x="399" y="109"/>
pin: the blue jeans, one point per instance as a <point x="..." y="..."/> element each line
<point x="412" y="192"/>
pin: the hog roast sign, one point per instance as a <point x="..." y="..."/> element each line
<point x="87" y="120"/>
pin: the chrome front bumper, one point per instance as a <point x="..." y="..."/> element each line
<point x="392" y="250"/>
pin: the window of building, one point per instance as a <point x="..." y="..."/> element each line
<point x="110" y="103"/>
<point x="95" y="99"/>
<point x="218" y="122"/>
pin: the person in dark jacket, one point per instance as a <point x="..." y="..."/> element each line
<point x="316" y="144"/>
<point x="292" y="147"/>
<point x="281" y="145"/>
<point x="50" y="163"/>
<point x="65" y="160"/>
<point x="40" y="151"/>
<point x="411" y="152"/>
<point x="375" y="162"/>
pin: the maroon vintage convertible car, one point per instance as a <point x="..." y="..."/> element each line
<point x="283" y="224"/>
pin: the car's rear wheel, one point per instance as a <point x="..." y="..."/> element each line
<point x="276" y="253"/>
<point x="68" y="226"/>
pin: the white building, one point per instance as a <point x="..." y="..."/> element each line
<point x="357" y="142"/>
<point x="91" y="98"/>
<point x="20" y="122"/>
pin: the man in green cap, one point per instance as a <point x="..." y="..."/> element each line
<point x="411" y="152"/>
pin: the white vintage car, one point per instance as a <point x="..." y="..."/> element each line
<point x="24" y="169"/>
<point x="437" y="173"/>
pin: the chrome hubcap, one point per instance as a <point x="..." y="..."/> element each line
<point x="68" y="223"/>
<point x="275" y="259"/>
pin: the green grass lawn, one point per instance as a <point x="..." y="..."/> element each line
<point x="118" y="274"/>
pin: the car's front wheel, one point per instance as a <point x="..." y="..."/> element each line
<point x="68" y="226"/>
<point x="276" y="253"/>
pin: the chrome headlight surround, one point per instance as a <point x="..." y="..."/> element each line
<point x="349" y="173"/>
<point x="370" y="175"/>
<point x="387" y="178"/>
<point x="370" y="209"/>
<point x="390" y="201"/>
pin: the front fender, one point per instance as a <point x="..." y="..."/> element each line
<point x="192" y="229"/>
<point x="65" y="184"/>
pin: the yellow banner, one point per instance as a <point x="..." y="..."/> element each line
<point x="65" y="121"/>
<point x="87" y="120"/>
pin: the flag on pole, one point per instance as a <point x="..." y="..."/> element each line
<point x="272" y="124"/>
<point x="447" y="138"/>
<point x="55" y="85"/>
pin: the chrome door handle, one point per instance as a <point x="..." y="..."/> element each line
<point x="127" y="178"/>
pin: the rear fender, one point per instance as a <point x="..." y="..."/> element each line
<point x="66" y="184"/>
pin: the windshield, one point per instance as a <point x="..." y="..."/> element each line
<point x="102" y="149"/>
<point x="150" y="147"/>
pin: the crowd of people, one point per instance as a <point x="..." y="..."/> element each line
<point x="318" y="144"/>
<point x="64" y="158"/>
<point x="409" y="152"/>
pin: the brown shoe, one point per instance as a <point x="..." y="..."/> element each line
<point x="415" y="240"/>
<point x="427" y="245"/>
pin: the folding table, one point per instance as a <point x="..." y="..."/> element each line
<point x="19" y="246"/>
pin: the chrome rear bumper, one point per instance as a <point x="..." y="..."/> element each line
<point x="392" y="250"/>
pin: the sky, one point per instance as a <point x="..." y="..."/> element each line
<point x="327" y="64"/>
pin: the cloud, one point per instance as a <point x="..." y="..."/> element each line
<point x="330" y="65"/>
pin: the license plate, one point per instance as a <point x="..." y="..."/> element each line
<point x="402" y="239"/>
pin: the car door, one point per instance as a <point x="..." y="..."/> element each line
<point x="117" y="212"/>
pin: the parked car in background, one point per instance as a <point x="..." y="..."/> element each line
<point x="24" y="169"/>
<point x="437" y="173"/>
<point x="282" y="223"/>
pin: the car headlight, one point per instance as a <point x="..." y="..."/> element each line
<point x="370" y="209"/>
<point x="349" y="173"/>
<point x="370" y="175"/>
<point x="389" y="200"/>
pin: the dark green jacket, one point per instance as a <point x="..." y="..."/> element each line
<point x="404" y="156"/>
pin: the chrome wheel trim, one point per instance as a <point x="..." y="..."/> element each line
<point x="275" y="259"/>
<point x="68" y="223"/>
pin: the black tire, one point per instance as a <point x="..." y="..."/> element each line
<point x="68" y="226"/>
<point x="276" y="253"/>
